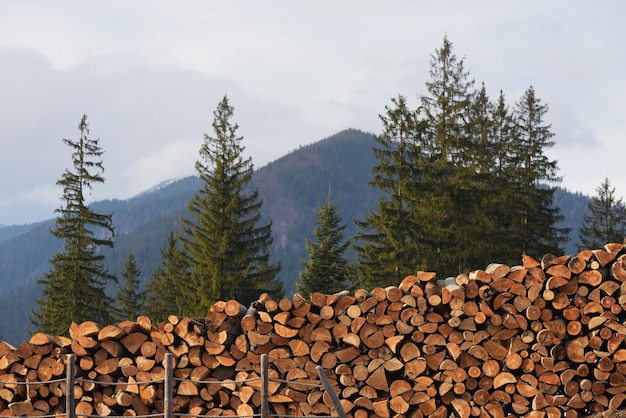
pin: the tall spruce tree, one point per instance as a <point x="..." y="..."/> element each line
<point x="327" y="269"/>
<point x="503" y="170"/>
<point x="167" y="292"/>
<point x="605" y="219"/>
<point x="484" y="191"/>
<point x="129" y="299"/>
<point x="226" y="242"/>
<point x="385" y="241"/>
<point x="444" y="210"/>
<point x="534" y="228"/>
<point x="74" y="286"/>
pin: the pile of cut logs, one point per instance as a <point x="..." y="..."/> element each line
<point x="542" y="339"/>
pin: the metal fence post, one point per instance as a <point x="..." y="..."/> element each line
<point x="265" y="409"/>
<point x="168" y="387"/>
<point x="70" y="369"/>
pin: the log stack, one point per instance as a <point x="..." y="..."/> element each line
<point x="541" y="339"/>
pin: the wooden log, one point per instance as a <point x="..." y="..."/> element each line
<point x="590" y="277"/>
<point x="603" y="256"/>
<point x="461" y="407"/>
<point x="618" y="269"/>
<point x="536" y="339"/>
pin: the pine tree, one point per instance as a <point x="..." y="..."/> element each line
<point x="74" y="286"/>
<point x="503" y="170"/>
<point x="385" y="241"/>
<point x="605" y="219"/>
<point x="167" y="291"/>
<point x="445" y="192"/>
<point x="483" y="195"/>
<point x="327" y="269"/>
<point x="534" y="229"/>
<point x="129" y="299"/>
<point x="227" y="246"/>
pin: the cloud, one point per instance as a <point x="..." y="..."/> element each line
<point x="571" y="130"/>
<point x="149" y="73"/>
<point x="28" y="205"/>
<point x="175" y="160"/>
<point x="140" y="113"/>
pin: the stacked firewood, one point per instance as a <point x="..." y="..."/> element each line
<point x="542" y="339"/>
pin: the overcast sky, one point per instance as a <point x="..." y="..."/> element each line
<point x="149" y="73"/>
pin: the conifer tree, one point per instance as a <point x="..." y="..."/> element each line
<point x="605" y="219"/>
<point x="503" y="169"/>
<point x="445" y="193"/>
<point x="129" y="299"/>
<point x="503" y="127"/>
<point x="168" y="289"/>
<point x="534" y="228"/>
<point x="226" y="241"/>
<point x="327" y="269"/>
<point x="74" y="286"/>
<point x="385" y="241"/>
<point x="484" y="191"/>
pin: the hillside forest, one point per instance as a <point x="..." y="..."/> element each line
<point x="451" y="185"/>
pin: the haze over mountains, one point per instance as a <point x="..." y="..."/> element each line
<point x="292" y="189"/>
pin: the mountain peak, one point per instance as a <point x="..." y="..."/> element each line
<point x="157" y="187"/>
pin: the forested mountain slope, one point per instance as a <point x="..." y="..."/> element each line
<point x="292" y="188"/>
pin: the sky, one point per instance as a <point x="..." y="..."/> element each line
<point x="149" y="74"/>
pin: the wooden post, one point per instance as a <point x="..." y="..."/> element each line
<point x="70" y="369"/>
<point x="331" y="392"/>
<point x="265" y="410"/>
<point x="168" y="386"/>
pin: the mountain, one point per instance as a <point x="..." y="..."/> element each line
<point x="8" y="232"/>
<point x="292" y="188"/>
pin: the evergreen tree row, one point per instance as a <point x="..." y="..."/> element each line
<point x="464" y="180"/>
<point x="223" y="252"/>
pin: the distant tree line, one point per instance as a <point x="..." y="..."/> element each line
<point x="463" y="180"/>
